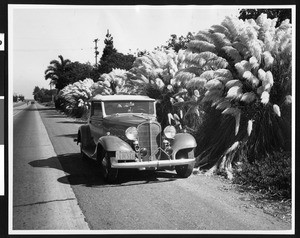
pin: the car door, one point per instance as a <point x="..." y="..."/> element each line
<point x="96" y="121"/>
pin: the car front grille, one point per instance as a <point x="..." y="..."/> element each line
<point x="149" y="137"/>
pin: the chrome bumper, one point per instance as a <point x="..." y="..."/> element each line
<point x="151" y="164"/>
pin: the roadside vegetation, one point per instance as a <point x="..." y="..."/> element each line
<point x="229" y="85"/>
<point x="18" y="97"/>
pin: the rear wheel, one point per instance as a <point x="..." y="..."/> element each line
<point x="109" y="174"/>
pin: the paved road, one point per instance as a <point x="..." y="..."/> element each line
<point x="17" y="104"/>
<point x="19" y="107"/>
<point x="39" y="201"/>
<point x="139" y="201"/>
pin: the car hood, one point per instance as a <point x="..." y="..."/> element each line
<point x="129" y="119"/>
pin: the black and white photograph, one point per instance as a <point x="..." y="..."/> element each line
<point x="150" y="119"/>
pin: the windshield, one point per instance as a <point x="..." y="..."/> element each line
<point x="119" y="107"/>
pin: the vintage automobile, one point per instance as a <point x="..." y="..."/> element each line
<point x="122" y="132"/>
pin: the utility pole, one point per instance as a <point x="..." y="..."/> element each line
<point x="96" y="51"/>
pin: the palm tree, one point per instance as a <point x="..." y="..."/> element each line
<point x="56" y="72"/>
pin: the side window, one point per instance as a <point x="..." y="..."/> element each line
<point x="96" y="109"/>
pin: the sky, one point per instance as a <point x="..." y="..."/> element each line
<point x="37" y="34"/>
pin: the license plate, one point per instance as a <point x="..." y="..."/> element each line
<point x="125" y="155"/>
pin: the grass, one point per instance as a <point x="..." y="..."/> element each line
<point x="271" y="203"/>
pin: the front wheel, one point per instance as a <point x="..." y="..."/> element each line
<point x="184" y="171"/>
<point x="109" y="174"/>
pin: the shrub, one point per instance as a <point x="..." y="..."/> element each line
<point x="243" y="69"/>
<point x="271" y="173"/>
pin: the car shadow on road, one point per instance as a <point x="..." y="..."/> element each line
<point x="78" y="172"/>
<point x="72" y="122"/>
<point x="87" y="172"/>
<point x="133" y="177"/>
<point x="53" y="113"/>
<point x="41" y="109"/>
<point x="55" y="116"/>
<point x="73" y="136"/>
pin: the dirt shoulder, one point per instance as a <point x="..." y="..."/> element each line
<point x="270" y="204"/>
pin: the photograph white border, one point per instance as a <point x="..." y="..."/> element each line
<point x="11" y="8"/>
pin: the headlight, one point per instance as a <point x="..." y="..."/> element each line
<point x="131" y="133"/>
<point x="170" y="132"/>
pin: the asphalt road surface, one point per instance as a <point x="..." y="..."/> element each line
<point x="51" y="184"/>
<point x="39" y="201"/>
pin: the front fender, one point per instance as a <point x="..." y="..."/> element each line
<point x="183" y="141"/>
<point x="114" y="143"/>
<point x="84" y="135"/>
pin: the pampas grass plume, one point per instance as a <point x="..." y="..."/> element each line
<point x="277" y="110"/>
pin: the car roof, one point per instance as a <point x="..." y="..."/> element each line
<point x="100" y="97"/>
